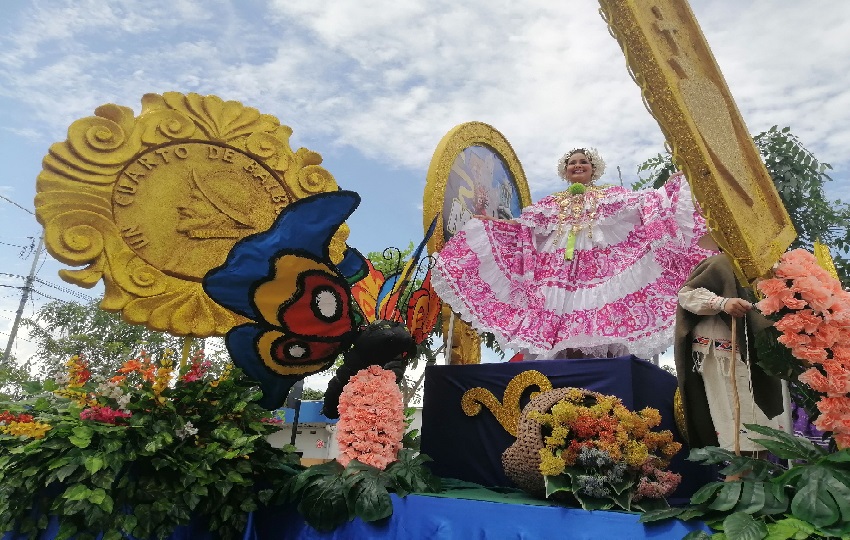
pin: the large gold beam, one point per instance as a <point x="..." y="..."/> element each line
<point x="683" y="88"/>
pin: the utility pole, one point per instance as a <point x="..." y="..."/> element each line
<point x="24" y="298"/>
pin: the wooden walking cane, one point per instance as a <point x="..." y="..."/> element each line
<point x="735" y="387"/>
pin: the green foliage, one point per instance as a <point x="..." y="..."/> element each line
<point x="63" y="329"/>
<point x="659" y="169"/>
<point x="12" y="378"/>
<point x="329" y="495"/>
<point x="412" y="438"/>
<point x="799" y="178"/>
<point x="809" y="500"/>
<point x="194" y="449"/>
<point x="391" y="260"/>
<point x="311" y="394"/>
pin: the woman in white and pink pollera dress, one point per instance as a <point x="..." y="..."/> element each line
<point x="591" y="271"/>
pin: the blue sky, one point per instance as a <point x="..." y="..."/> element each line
<point x="373" y="85"/>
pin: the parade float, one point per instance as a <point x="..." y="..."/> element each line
<point x="201" y="220"/>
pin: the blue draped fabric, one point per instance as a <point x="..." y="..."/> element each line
<point x="438" y="518"/>
<point x="470" y="447"/>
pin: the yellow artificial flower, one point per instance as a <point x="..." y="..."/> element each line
<point x="224" y="375"/>
<point x="35" y="430"/>
<point x="163" y="375"/>
<point x="636" y="453"/>
<point x="550" y="465"/>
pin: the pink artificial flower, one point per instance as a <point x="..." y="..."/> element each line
<point x="842" y="440"/>
<point x="809" y="354"/>
<point x="804" y="320"/>
<point x="770" y="305"/>
<point x="813" y="291"/>
<point x="371" y="423"/>
<point x="793" y="341"/>
<point x="841" y="353"/>
<point x="797" y="263"/>
<point x="836" y="382"/>
<point x="826" y="336"/>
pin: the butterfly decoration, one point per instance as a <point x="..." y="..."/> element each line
<point x="381" y="298"/>
<point x="304" y="313"/>
<point x="297" y="300"/>
<point x="399" y="320"/>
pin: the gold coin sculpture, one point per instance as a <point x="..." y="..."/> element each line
<point x="150" y="203"/>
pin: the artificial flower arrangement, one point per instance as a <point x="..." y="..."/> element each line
<point x="812" y="314"/>
<point x="151" y="449"/>
<point x="605" y="455"/>
<point x="809" y="345"/>
<point x="372" y="461"/>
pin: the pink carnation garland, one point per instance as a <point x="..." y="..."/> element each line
<point x="371" y="418"/>
<point x="816" y="328"/>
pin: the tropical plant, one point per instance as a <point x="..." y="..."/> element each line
<point x="809" y="500"/>
<point x="604" y="455"/>
<point x="311" y="394"/>
<point x="329" y="494"/>
<point x="139" y="454"/>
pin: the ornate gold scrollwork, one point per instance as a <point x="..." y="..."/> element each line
<point x="508" y="411"/>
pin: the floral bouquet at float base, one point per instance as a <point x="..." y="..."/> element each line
<point x="150" y="449"/>
<point x="810" y="340"/>
<point x="605" y="455"/>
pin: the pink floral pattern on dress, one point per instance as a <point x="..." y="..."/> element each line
<point x="618" y="292"/>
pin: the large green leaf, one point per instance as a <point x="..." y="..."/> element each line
<point x="776" y="499"/>
<point x="704" y="493"/>
<point x="786" y="446"/>
<point x="727" y="496"/>
<point x="554" y="484"/>
<point x="661" y="514"/>
<point x="697" y="535"/>
<point x="323" y="503"/>
<point x="821" y="498"/>
<point x="753" y="497"/>
<point x="410" y="475"/>
<point x="369" y="499"/>
<point x="790" y="528"/>
<point x="741" y="526"/>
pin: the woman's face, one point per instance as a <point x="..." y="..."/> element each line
<point x="579" y="169"/>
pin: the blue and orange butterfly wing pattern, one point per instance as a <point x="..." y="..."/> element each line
<point x="299" y="302"/>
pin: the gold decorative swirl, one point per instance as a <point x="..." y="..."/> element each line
<point x="165" y="126"/>
<point x="313" y="179"/>
<point x="75" y="238"/>
<point x="264" y="145"/>
<point x="100" y="141"/>
<point x="507" y="412"/>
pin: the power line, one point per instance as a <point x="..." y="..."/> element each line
<point x="65" y="290"/>
<point x="16" y="204"/>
